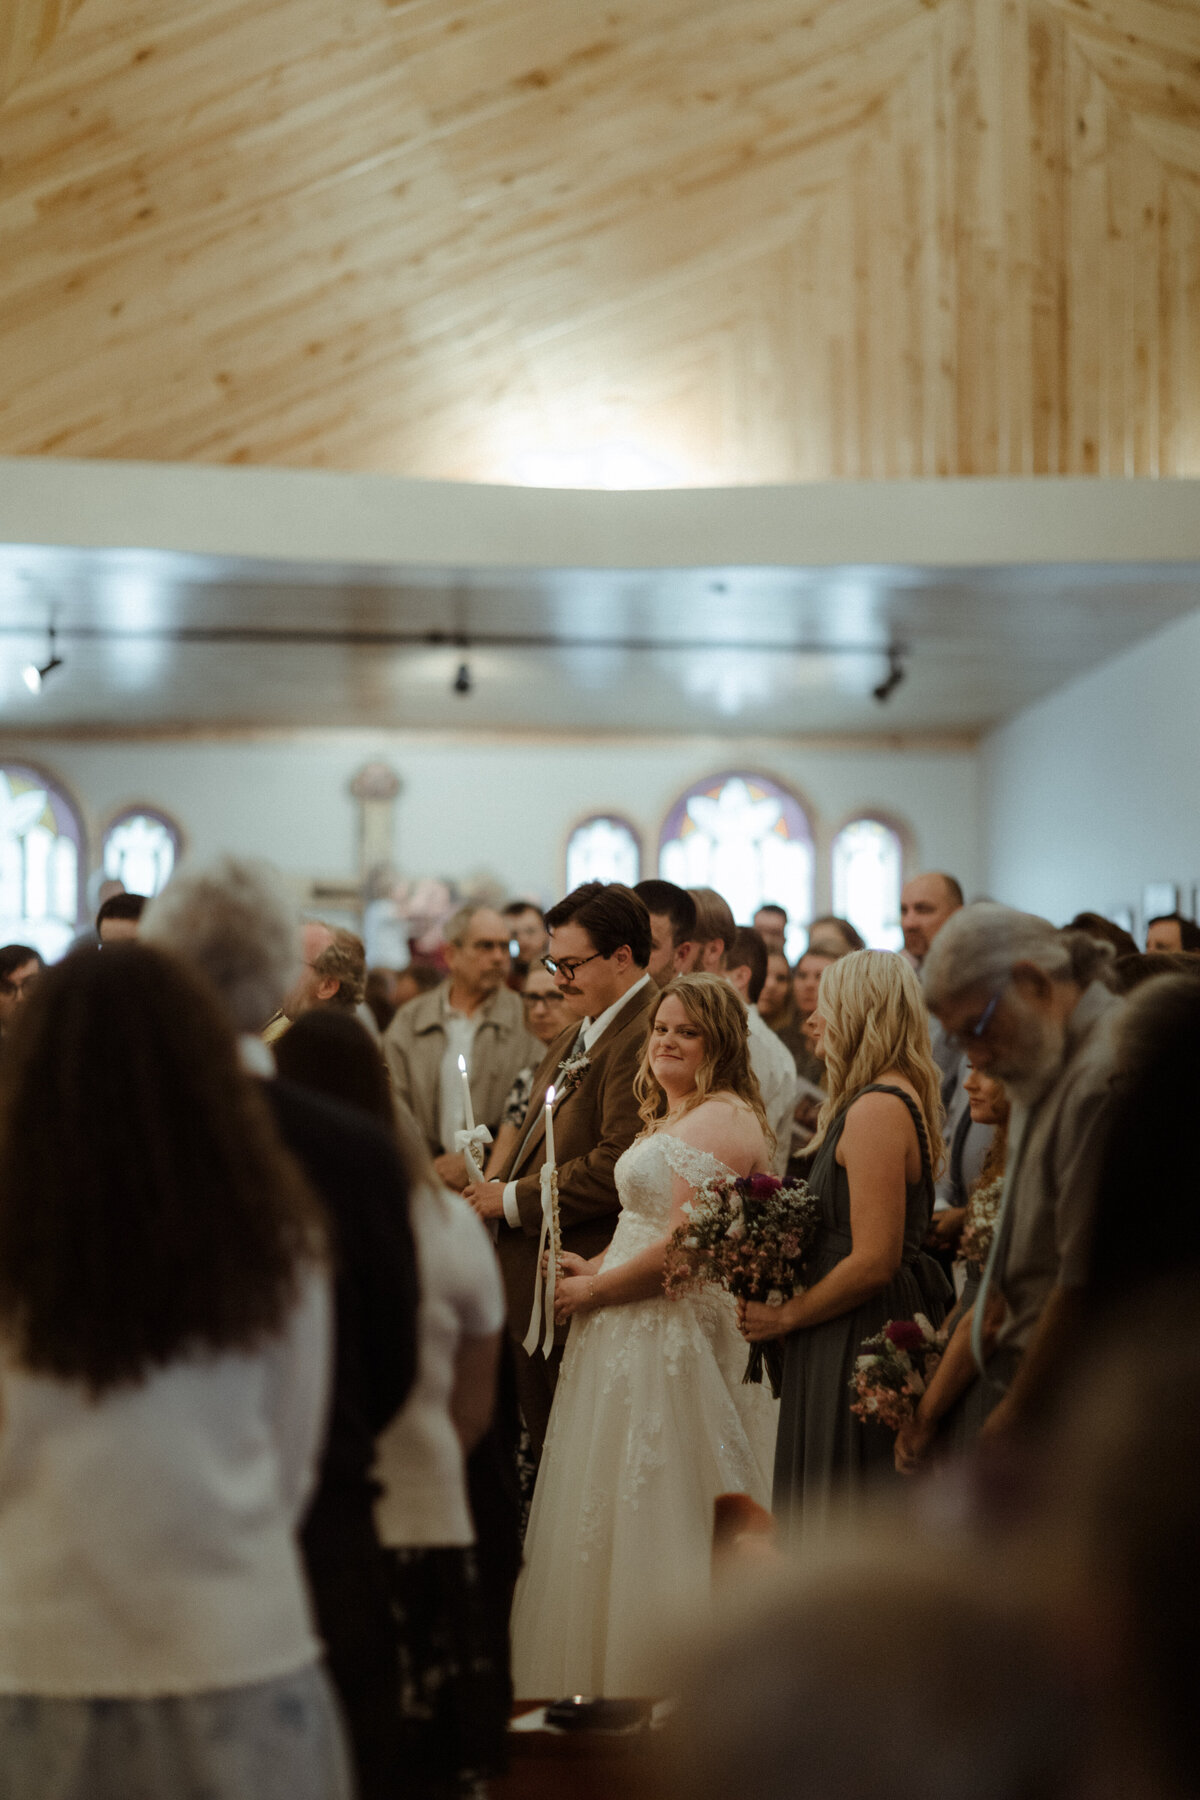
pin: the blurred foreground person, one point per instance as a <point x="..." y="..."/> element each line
<point x="20" y="966"/>
<point x="1150" y="1147"/>
<point x="234" y="923"/>
<point x="164" y="1314"/>
<point x="455" y="1696"/>
<point x="1122" y="1518"/>
<point x="878" y="1678"/>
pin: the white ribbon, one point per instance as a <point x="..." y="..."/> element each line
<point x="472" y="1144"/>
<point x="543" y="1289"/>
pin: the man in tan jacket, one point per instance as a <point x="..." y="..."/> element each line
<point x="599" y="949"/>
<point x="473" y="1015"/>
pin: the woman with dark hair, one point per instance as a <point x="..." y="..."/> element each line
<point x="651" y="1419"/>
<point x="164" y="1351"/>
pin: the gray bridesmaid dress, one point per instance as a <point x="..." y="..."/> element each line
<point x="824" y="1456"/>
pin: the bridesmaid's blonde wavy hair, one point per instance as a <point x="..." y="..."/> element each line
<point x="875" y="1019"/>
<point x="712" y="1005"/>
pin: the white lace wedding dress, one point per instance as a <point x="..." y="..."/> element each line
<point x="650" y="1423"/>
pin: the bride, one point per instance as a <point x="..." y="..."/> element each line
<point x="650" y="1420"/>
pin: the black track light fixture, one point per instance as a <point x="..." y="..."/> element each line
<point x="462" y="681"/>
<point x="892" y="679"/>
<point x="34" y="674"/>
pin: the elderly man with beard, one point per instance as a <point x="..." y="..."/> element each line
<point x="1019" y="996"/>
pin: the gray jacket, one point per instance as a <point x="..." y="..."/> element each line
<point x="415" y="1043"/>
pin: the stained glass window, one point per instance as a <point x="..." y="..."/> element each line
<point x="867" y="875"/>
<point x="748" y="838"/>
<point x="40" y="862"/>
<point x="140" y="848"/>
<point x="603" y="849"/>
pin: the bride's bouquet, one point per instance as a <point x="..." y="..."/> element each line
<point x="894" y="1369"/>
<point x="748" y="1234"/>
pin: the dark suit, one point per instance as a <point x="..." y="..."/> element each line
<point x="593" y="1124"/>
<point x="356" y="1170"/>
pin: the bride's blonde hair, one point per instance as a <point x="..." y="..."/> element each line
<point x="711" y="1004"/>
<point x="875" y="1019"/>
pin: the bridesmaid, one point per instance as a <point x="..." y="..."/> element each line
<point x="877" y="1145"/>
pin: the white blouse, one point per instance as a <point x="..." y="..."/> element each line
<point x="147" y="1537"/>
<point x="419" y="1458"/>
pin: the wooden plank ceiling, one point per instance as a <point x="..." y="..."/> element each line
<point x="697" y="241"/>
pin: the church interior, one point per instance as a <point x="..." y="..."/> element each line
<point x="572" y="410"/>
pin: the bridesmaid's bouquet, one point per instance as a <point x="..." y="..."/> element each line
<point x="893" y="1370"/>
<point x="979" y="1228"/>
<point x="748" y="1234"/>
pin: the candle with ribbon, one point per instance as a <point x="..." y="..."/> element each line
<point x="541" y="1319"/>
<point x="472" y="1139"/>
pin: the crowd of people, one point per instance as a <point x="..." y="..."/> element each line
<point x="346" y="1393"/>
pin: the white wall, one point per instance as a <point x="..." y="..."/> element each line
<point x="501" y="805"/>
<point x="1093" y="793"/>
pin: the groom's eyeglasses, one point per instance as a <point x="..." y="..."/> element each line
<point x="567" y="965"/>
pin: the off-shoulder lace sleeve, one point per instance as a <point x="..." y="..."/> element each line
<point x="689" y="1162"/>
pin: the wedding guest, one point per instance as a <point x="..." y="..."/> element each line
<point x="233" y="923"/>
<point x="453" y="1687"/>
<point x="164" y="1312"/>
<point x="420" y="977"/>
<point x="119" y="918"/>
<point x="1172" y="932"/>
<point x="714" y="932"/>
<point x="527" y="929"/>
<point x="672" y="929"/>
<point x="771" y="922"/>
<point x="20" y="966"/>
<point x="1129" y="972"/>
<point x="776" y="1005"/>
<point x="1022" y="997"/>
<point x="599" y="946"/>
<point x="473" y="1014"/>
<point x="1097" y="926"/>
<point x="878" y="1145"/>
<point x="546" y="1016"/>
<point x="380" y="995"/>
<point x="652" y="1419"/>
<point x="834" y="937"/>
<point x="806" y="985"/>
<point x="773" y="1064"/>
<point x="926" y="902"/>
<point x="332" y="972"/>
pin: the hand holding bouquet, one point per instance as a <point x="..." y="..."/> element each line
<point x="749" y="1235"/>
<point x="893" y="1370"/>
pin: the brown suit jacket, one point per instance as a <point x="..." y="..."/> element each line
<point x="593" y="1123"/>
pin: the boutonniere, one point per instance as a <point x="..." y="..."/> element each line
<point x="571" y="1072"/>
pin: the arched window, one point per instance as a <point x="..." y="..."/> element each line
<point x="41" y="862"/>
<point x="868" y="860"/>
<point x="141" y="847"/>
<point x="604" y="848"/>
<point x="748" y="838"/>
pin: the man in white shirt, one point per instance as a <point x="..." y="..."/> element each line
<point x="599" y="949"/>
<point x="770" y="1058"/>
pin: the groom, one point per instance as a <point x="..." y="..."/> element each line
<point x="599" y="949"/>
